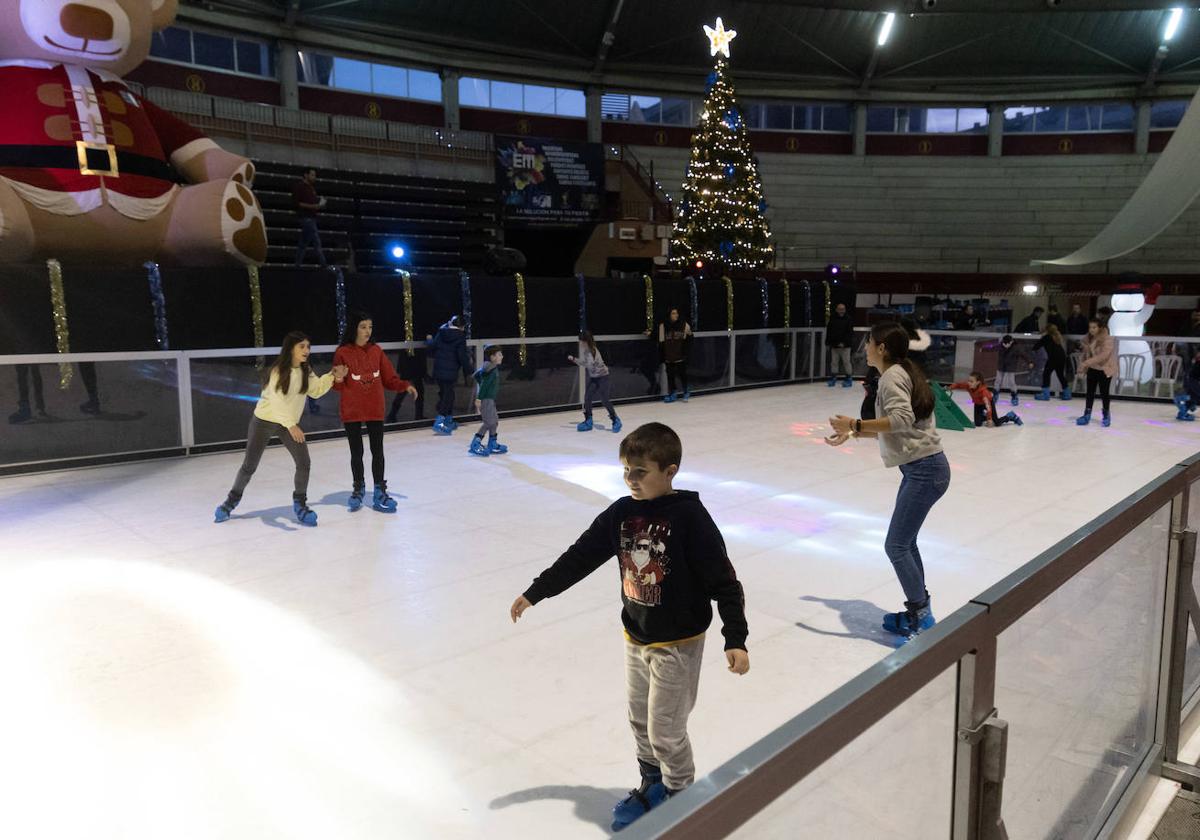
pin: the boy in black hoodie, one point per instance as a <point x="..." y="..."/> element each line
<point x="450" y="355"/>
<point x="672" y="564"/>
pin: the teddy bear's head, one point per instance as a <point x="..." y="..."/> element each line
<point x="111" y="35"/>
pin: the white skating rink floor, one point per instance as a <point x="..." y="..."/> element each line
<point x="167" y="677"/>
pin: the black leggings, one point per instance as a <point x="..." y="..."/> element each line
<point x="1059" y="371"/>
<point x="981" y="413"/>
<point x="375" y="435"/>
<point x="676" y="369"/>
<point x="1097" y="378"/>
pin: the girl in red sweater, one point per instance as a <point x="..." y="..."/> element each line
<point x="362" y="404"/>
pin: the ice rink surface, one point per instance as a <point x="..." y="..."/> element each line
<point x="166" y="676"/>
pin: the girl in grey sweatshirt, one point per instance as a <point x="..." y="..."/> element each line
<point x="909" y="440"/>
<point x="598" y="385"/>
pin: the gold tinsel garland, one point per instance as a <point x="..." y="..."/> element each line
<point x="650" y="303"/>
<point x="828" y="302"/>
<point x="522" y="353"/>
<point x="728" y="303"/>
<point x="62" y="335"/>
<point x="787" y="311"/>
<point x="256" y="306"/>
<point x="406" y="279"/>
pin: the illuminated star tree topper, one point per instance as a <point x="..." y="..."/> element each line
<point x="719" y="38"/>
<point x="720" y="219"/>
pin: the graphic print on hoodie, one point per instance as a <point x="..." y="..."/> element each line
<point x="642" y="550"/>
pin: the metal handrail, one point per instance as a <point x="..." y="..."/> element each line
<point x="734" y="792"/>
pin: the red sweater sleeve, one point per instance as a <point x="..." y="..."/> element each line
<point x="388" y="374"/>
<point x="173" y="133"/>
<point x="339" y="358"/>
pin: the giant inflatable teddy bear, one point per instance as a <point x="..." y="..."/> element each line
<point x="89" y="169"/>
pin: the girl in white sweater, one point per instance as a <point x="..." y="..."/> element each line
<point x="278" y="414"/>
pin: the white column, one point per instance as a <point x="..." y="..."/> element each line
<point x="592" y="110"/>
<point x="1141" y="139"/>
<point x="995" y="131"/>
<point x="289" y="83"/>
<point x="860" y="128"/>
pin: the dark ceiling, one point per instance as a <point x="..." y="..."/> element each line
<point x="1002" y="47"/>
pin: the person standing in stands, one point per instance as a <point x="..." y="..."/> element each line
<point x="1031" y="323"/>
<point x="967" y="320"/>
<point x="839" y="338"/>
<point x="1053" y="316"/>
<point x="307" y="205"/>
<point x="1077" y="322"/>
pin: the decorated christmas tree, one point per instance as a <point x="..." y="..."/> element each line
<point x="720" y="220"/>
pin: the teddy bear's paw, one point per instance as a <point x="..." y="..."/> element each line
<point x="244" y="175"/>
<point x="242" y="225"/>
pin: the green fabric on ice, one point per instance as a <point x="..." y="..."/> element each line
<point x="946" y="412"/>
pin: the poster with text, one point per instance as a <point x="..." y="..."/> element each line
<point x="546" y="183"/>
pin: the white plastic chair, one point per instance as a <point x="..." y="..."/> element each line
<point x="1129" y="371"/>
<point x="1166" y="371"/>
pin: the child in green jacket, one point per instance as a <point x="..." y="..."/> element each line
<point x="488" y="385"/>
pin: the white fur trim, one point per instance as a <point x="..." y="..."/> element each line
<point x="189" y="150"/>
<point x="141" y="209"/>
<point x="56" y="201"/>
<point x="921" y="342"/>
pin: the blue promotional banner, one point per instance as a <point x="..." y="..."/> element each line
<point x="549" y="183"/>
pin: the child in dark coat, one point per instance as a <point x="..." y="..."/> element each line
<point x="450" y="355"/>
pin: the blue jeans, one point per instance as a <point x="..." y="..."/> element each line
<point x="309" y="236"/>
<point x="924" y="482"/>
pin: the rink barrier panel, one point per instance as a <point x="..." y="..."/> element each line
<point x="188" y="443"/>
<point x="733" y="793"/>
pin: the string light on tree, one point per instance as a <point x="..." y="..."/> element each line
<point x="720" y="218"/>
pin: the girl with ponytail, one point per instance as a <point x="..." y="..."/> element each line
<point x="908" y="439"/>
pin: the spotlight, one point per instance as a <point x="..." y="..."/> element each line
<point x="833" y="269"/>
<point x="699" y="263"/>
<point x="397" y="252"/>
<point x="1030" y="288"/>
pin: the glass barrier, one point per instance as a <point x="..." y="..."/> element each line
<point x="546" y="378"/>
<point x="1077" y="681"/>
<point x="226" y="389"/>
<point x="762" y="358"/>
<point x="1191" y="663"/>
<point x="708" y="364"/>
<point x="806" y="357"/>
<point x="894" y="780"/>
<point x="109" y="407"/>
<point x="634" y="369"/>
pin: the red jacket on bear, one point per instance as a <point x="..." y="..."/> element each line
<point x="362" y="389"/>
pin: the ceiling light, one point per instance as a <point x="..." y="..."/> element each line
<point x="1173" y="23"/>
<point x="886" y="29"/>
<point x="1030" y="288"/>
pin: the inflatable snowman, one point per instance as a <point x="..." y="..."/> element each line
<point x="1132" y="308"/>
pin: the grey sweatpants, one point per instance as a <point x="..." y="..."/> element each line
<point x="840" y="357"/>
<point x="489" y="416"/>
<point x="662" y="683"/>
<point x="257" y="436"/>
<point x="1006" y="380"/>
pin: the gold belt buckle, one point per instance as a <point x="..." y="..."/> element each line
<point x="82" y="147"/>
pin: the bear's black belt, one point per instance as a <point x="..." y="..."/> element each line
<point x="86" y="158"/>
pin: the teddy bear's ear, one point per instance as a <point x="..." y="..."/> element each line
<point x="163" y="12"/>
